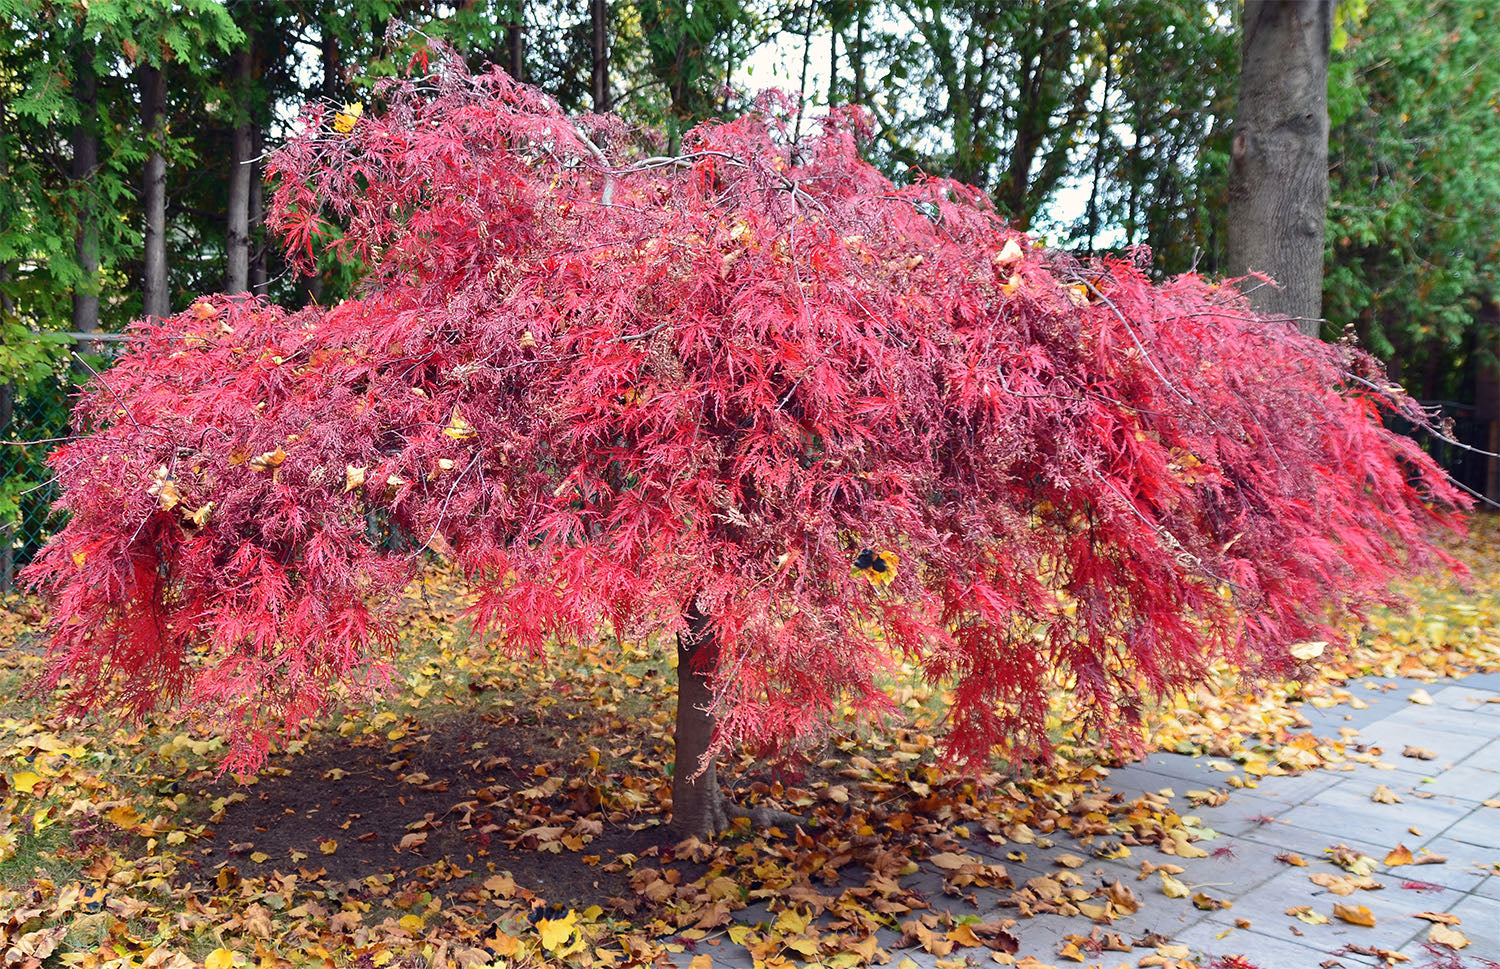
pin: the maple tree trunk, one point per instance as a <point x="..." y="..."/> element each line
<point x="156" y="301"/>
<point x="85" y="144"/>
<point x="697" y="803"/>
<point x="1278" y="173"/>
<point x="242" y="149"/>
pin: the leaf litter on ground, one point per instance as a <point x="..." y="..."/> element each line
<point x="487" y="808"/>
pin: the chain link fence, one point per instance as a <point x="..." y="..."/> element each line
<point x="37" y="417"/>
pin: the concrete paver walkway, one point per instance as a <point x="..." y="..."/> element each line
<point x="1441" y="811"/>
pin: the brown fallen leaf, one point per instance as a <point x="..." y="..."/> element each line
<point x="1418" y="753"/>
<point x="1355" y="915"/>
<point x="1344" y="884"/>
<point x="948" y="861"/>
<point x="1384" y="795"/>
<point x="1292" y="858"/>
<point x="1069" y="861"/>
<point x="1123" y="899"/>
<point x="1442" y="917"/>
<point x="1207" y="903"/>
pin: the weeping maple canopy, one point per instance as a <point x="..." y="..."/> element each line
<point x="643" y="391"/>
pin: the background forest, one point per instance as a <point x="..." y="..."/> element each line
<point x="131" y="132"/>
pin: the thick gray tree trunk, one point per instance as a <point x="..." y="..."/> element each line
<point x="599" y="21"/>
<point x="1278" y="175"/>
<point x="85" y="144"/>
<point x="157" y="301"/>
<point x="241" y="171"/>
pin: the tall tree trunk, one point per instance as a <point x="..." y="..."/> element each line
<point x="599" y="20"/>
<point x="258" y="283"/>
<point x="1278" y="174"/>
<point x="241" y="172"/>
<point x="697" y="803"/>
<point x="85" y="161"/>
<point x="330" y="50"/>
<point x="833" y="66"/>
<point x="157" y="301"/>
<point x="515" y="42"/>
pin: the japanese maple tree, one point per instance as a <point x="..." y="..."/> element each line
<point x="756" y="395"/>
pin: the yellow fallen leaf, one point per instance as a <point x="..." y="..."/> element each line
<point x="345" y="120"/>
<point x="1419" y="753"/>
<point x="26" y="781"/>
<point x="1306" y="651"/>
<point x="458" y="428"/>
<point x="1173" y="888"/>
<point x="1355" y="915"/>
<point x="555" y="933"/>
<point x="1384" y="795"/>
<point x="163" y="488"/>
<point x="704" y="961"/>
<point x="1009" y="253"/>
<point x="412" y="923"/>
<point x="1305" y="913"/>
<point x="1443" y="935"/>
<point x="1421" y="696"/>
<point x="199" y="518"/>
<point x="328" y="847"/>
<point x="1069" y="860"/>
<point x="219" y="959"/>
<point x="268" y="460"/>
<point x="1399" y="855"/>
<point x="259" y="857"/>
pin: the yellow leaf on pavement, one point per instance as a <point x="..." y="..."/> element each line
<point x="1355" y="915"/>
<point x="1400" y="855"/>
<point x="1173" y="888"/>
<point x="1305" y="913"/>
<point x="1450" y="937"/>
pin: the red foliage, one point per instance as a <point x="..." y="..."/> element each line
<point x="609" y="388"/>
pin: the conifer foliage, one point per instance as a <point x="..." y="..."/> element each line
<point x="690" y="394"/>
